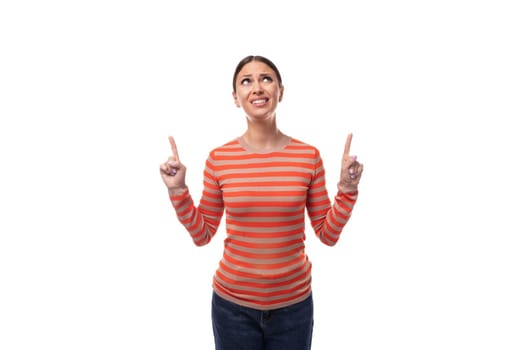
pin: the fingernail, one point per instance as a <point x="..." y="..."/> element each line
<point x="173" y="171"/>
<point x="354" y="158"/>
<point x="171" y="162"/>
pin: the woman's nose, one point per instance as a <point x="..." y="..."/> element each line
<point x="257" y="87"/>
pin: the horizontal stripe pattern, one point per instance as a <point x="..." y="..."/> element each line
<point x="264" y="198"/>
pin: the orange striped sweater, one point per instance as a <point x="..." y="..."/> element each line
<point x="264" y="197"/>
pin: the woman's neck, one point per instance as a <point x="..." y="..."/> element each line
<point x="263" y="136"/>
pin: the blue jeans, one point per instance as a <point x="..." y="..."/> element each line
<point x="238" y="327"/>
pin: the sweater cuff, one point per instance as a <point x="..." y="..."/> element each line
<point x="178" y="194"/>
<point x="347" y="189"/>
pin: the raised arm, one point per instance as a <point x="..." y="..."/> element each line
<point x="328" y="220"/>
<point x="202" y="221"/>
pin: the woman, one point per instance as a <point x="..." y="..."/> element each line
<point x="264" y="181"/>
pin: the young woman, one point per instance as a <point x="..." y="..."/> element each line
<point x="264" y="181"/>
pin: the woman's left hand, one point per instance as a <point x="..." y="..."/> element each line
<point x="351" y="169"/>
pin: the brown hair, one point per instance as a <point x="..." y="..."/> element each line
<point x="253" y="58"/>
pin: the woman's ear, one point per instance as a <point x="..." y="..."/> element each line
<point x="236" y="100"/>
<point x="281" y="93"/>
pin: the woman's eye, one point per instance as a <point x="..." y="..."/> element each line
<point x="245" y="81"/>
<point x="267" y="79"/>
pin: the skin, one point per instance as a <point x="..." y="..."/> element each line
<point x="258" y="93"/>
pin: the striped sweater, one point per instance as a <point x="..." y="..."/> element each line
<point x="264" y="197"/>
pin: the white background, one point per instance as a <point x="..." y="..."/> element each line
<point x="91" y="253"/>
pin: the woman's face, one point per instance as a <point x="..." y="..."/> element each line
<point x="258" y="91"/>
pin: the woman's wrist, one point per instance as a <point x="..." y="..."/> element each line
<point x="346" y="188"/>
<point x="177" y="191"/>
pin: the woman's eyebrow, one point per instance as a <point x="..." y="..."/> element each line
<point x="262" y="73"/>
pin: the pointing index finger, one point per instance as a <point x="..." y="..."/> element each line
<point x="174" y="148"/>
<point x="347" y="144"/>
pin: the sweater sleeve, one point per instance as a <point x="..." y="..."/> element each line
<point x="201" y="221"/>
<point x="327" y="219"/>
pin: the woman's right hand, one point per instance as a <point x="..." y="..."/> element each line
<point x="173" y="172"/>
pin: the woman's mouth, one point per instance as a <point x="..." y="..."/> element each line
<point x="259" y="101"/>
